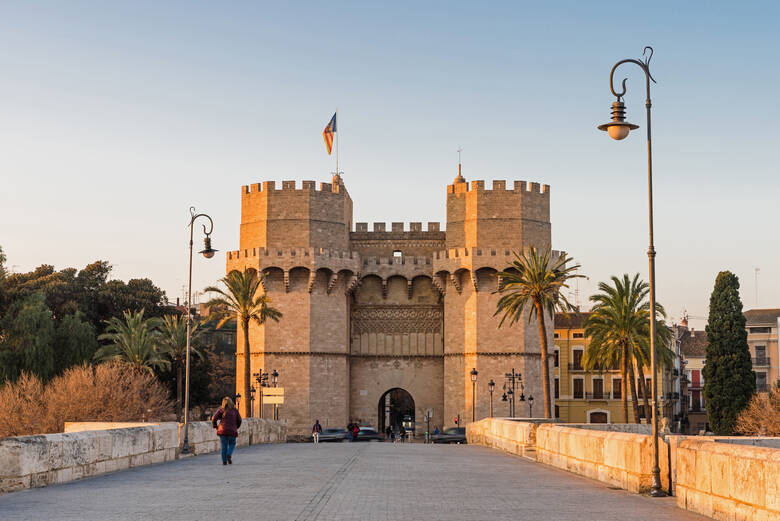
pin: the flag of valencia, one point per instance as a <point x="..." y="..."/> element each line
<point x="327" y="134"/>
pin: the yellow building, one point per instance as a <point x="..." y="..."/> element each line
<point x="762" y="326"/>
<point x="586" y="396"/>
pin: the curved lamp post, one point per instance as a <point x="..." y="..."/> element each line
<point x="207" y="252"/>
<point x="474" y="374"/>
<point x="275" y="376"/>
<point x="619" y="129"/>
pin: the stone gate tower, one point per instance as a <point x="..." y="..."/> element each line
<point x="382" y="325"/>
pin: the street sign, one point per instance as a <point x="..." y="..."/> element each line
<point x="273" y="391"/>
<point x="273" y="400"/>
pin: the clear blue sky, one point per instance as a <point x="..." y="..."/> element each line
<point x="114" y="119"/>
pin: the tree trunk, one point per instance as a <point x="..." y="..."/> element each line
<point x="624" y="383"/>
<point x="643" y="385"/>
<point x="634" y="397"/>
<point x="247" y="371"/>
<point x="178" y="390"/>
<point x="545" y="364"/>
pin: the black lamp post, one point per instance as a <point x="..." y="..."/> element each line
<point x="531" y="406"/>
<point x="491" y="388"/>
<point x="619" y="129"/>
<point x="511" y="395"/>
<point x="474" y="374"/>
<point x="512" y="378"/>
<point x="207" y="252"/>
<point x="275" y="376"/>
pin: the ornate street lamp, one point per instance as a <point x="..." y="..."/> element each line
<point x="618" y="129"/>
<point x="275" y="376"/>
<point x="511" y="394"/>
<point x="474" y="374"/>
<point x="207" y="252"/>
<point x="491" y="388"/>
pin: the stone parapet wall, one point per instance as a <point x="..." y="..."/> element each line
<point x="40" y="460"/>
<point x="617" y="458"/>
<point x="728" y="481"/>
<point x="515" y="437"/>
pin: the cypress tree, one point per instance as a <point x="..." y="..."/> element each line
<point x="729" y="381"/>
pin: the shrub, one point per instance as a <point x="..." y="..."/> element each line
<point x="761" y="417"/>
<point x="106" y="392"/>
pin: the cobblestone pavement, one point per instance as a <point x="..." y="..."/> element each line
<point x="349" y="481"/>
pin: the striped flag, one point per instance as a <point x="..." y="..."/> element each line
<point x="327" y="134"/>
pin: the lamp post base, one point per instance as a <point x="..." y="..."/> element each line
<point x="657" y="492"/>
<point x="186" y="448"/>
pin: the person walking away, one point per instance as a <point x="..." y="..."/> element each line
<point x="316" y="430"/>
<point x="227" y="421"/>
<point x="436" y="430"/>
<point x="388" y="433"/>
<point x="403" y="433"/>
<point x="355" y="432"/>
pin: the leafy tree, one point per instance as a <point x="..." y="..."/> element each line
<point x="534" y="285"/>
<point x="26" y="339"/>
<point x="729" y="381"/>
<point x="243" y="300"/>
<point x="3" y="270"/>
<point x="172" y="339"/>
<point x="74" y="341"/>
<point x="619" y="332"/>
<point x="133" y="341"/>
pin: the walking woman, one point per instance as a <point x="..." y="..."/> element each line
<point x="229" y="421"/>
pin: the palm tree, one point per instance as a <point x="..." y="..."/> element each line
<point x="172" y="339"/>
<point x="534" y="284"/>
<point x="243" y="300"/>
<point x="133" y="341"/>
<point x="619" y="332"/>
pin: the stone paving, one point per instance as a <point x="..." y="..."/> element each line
<point x="342" y="481"/>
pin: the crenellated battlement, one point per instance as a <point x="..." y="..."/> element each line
<point x="292" y="186"/>
<point x="396" y="261"/>
<point x="291" y="252"/>
<point x="398" y="227"/>
<point x="500" y="187"/>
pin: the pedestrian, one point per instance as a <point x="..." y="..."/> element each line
<point x="403" y="433"/>
<point x="349" y="431"/>
<point x="436" y="430"/>
<point x="227" y="429"/>
<point x="355" y="432"/>
<point x="388" y="433"/>
<point x="316" y="430"/>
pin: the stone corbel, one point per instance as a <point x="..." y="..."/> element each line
<point x="499" y="281"/>
<point x="332" y="282"/>
<point x="439" y="284"/>
<point x="352" y="284"/>
<point x="455" y="282"/>
<point x="384" y="288"/>
<point x="409" y="289"/>
<point x="474" y="280"/>
<point x="262" y="282"/>
<point x="286" y="281"/>
<point x="312" y="278"/>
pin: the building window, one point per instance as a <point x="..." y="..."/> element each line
<point x="598" y="388"/>
<point x="397" y="254"/>
<point x="760" y="358"/>
<point x="578" y="335"/>
<point x="555" y="360"/>
<point x="641" y="411"/>
<point x="760" y="330"/>
<point x="579" y="388"/>
<point x="555" y="335"/>
<point x="557" y="412"/>
<point x="557" y="388"/>
<point x="617" y="388"/>
<point x="576" y="364"/>
<point x="761" y="382"/>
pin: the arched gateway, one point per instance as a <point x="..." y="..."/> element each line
<point x="395" y="408"/>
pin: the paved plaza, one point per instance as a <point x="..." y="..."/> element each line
<point x="342" y="481"/>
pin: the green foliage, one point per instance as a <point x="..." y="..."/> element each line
<point x="619" y="332"/>
<point x="75" y="341"/>
<point x="133" y="341"/>
<point x="729" y="381"/>
<point x="26" y="339"/>
<point x="243" y="300"/>
<point x="533" y="284"/>
<point x="3" y="270"/>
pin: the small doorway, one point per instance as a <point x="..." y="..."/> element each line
<point x="598" y="417"/>
<point x="395" y="408"/>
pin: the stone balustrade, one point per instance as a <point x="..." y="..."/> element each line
<point x="729" y="481"/>
<point x="40" y="460"/>
<point x="726" y="478"/>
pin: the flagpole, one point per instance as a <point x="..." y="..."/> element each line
<point x="337" y="141"/>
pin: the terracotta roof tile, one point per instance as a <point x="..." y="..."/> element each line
<point x="762" y="316"/>
<point x="693" y="343"/>
<point x="572" y="321"/>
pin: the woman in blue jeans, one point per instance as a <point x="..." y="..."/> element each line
<point x="229" y="421"/>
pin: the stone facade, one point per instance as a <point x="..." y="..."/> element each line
<point x="366" y="312"/>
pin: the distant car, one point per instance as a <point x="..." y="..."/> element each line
<point x="453" y="435"/>
<point x="333" y="435"/>
<point x="368" y="434"/>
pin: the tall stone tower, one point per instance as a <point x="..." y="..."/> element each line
<point x="484" y="227"/>
<point x="383" y="326"/>
<point x="299" y="239"/>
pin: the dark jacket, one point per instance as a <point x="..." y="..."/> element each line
<point x="231" y="421"/>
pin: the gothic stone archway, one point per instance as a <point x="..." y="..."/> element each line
<point x="395" y="407"/>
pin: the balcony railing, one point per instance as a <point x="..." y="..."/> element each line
<point x="762" y="388"/>
<point x="598" y="396"/>
<point x="762" y="361"/>
<point x="575" y="367"/>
